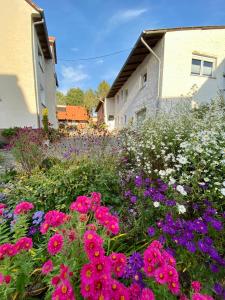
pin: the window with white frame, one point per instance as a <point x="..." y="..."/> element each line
<point x="203" y="65"/>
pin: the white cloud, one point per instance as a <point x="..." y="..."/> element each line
<point x="71" y="76"/>
<point x="126" y="15"/>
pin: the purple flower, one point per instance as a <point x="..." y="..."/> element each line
<point x="38" y="217"/>
<point x="203" y="246"/>
<point x="216" y="224"/>
<point x="191" y="246"/>
<point x="195" y="206"/>
<point x="170" y="203"/>
<point x="218" y="288"/>
<point x="136" y="261"/>
<point x="127" y="193"/>
<point x="138" y="181"/>
<point x="133" y="199"/>
<point x="214" y="268"/>
<point x="32" y="230"/>
<point x="162" y="239"/>
<point x="151" y="231"/>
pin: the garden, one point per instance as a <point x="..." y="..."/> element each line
<point x="134" y="216"/>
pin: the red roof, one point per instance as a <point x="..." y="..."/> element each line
<point x="73" y="113"/>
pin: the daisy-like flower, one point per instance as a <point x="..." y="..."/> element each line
<point x="55" y="244"/>
<point x="147" y="294"/>
<point x="47" y="267"/>
<point x="81" y="205"/>
<point x="196" y="286"/>
<point x="24" y="243"/>
<point x="174" y="287"/>
<point x="23" y="207"/>
<point x="161" y="275"/>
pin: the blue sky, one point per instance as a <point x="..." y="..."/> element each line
<point x="90" y="28"/>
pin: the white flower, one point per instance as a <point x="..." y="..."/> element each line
<point x="224" y="183"/>
<point x="182" y="160"/>
<point x="156" y="204"/>
<point x="223" y="191"/>
<point x="172" y="181"/>
<point x="181" y="209"/>
<point x="181" y="190"/>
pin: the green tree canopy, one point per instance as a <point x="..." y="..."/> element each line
<point x="90" y="100"/>
<point x="102" y="89"/>
<point x="75" y="96"/>
<point x="60" y="98"/>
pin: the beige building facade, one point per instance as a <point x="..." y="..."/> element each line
<point x="27" y="66"/>
<point x="167" y="67"/>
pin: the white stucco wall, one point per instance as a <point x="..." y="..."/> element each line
<point x="180" y="46"/>
<point x="17" y="86"/>
<point x="139" y="97"/>
<point x="19" y="103"/>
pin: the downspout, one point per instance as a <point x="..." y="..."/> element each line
<point x="159" y="73"/>
<point x="35" y="71"/>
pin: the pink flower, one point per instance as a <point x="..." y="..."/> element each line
<point x="24" y="243"/>
<point x="135" y="291"/>
<point x="10" y="250"/>
<point x="147" y="294"/>
<point x="55" y="244"/>
<point x="55" y="218"/>
<point x="161" y="275"/>
<point x="2" y="205"/>
<point x="183" y="297"/>
<point x="55" y="280"/>
<point x="81" y="205"/>
<point x="47" y="267"/>
<point x="1" y="278"/>
<point x="196" y="285"/>
<point x="172" y="274"/>
<point x="93" y="245"/>
<point x="63" y="291"/>
<point x="87" y="273"/>
<point x="7" y="279"/>
<point x="95" y="200"/>
<point x="174" y="287"/>
<point x="23" y="207"/>
<point x="119" y="262"/>
<point x="198" y="296"/>
<point x="44" y="227"/>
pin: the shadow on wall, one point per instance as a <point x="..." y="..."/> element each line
<point x="14" y="110"/>
<point x="199" y="94"/>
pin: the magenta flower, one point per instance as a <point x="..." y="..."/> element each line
<point x="55" y="244"/>
<point x="47" y="267"/>
<point x="23" y="207"/>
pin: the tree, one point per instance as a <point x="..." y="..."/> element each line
<point x="103" y="89"/>
<point x="75" y="96"/>
<point x="90" y="100"/>
<point x="60" y="98"/>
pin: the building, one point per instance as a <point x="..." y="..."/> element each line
<point x="166" y="67"/>
<point x="72" y="115"/>
<point x="27" y="66"/>
<point x="100" y="112"/>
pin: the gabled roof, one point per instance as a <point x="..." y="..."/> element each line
<point x="41" y="29"/>
<point x="72" y="113"/>
<point x="100" y="103"/>
<point x="34" y="5"/>
<point x="139" y="52"/>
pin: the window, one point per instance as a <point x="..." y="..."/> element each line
<point x="125" y="119"/>
<point x="110" y="118"/>
<point x="42" y="95"/>
<point x="202" y="66"/>
<point x="126" y="95"/>
<point x="196" y="66"/>
<point x="122" y="95"/>
<point x="141" y="115"/>
<point x="144" y="78"/>
<point x="40" y="59"/>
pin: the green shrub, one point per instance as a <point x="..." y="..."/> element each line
<point x="9" y="132"/>
<point x="57" y="187"/>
